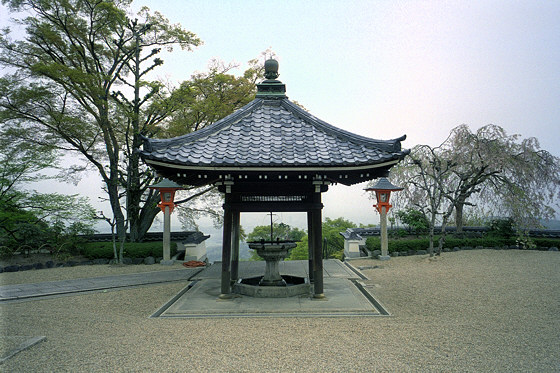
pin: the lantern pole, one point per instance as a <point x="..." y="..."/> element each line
<point x="384" y="239"/>
<point x="166" y="235"/>
<point x="383" y="190"/>
<point x="166" y="189"/>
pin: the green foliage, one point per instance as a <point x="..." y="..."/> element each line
<point x="36" y="222"/>
<point x="22" y="231"/>
<point x="280" y="231"/>
<point x="97" y="250"/>
<point x="300" y="252"/>
<point x="254" y="256"/>
<point x="502" y="228"/>
<point x="210" y="96"/>
<point x="414" y="219"/>
<point x="63" y="90"/>
<point x="337" y="255"/>
<point x="335" y="242"/>
<point x="397" y="233"/>
<point x="545" y="243"/>
<point x="373" y="243"/>
<point x="524" y="241"/>
<point x="29" y="220"/>
<point x="331" y="231"/>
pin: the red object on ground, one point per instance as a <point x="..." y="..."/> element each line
<point x="194" y="263"/>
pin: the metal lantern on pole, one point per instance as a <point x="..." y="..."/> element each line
<point x="166" y="189"/>
<point x="383" y="190"/>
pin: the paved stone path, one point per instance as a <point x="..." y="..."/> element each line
<point x="331" y="268"/>
<point x="25" y="291"/>
<point x="344" y="295"/>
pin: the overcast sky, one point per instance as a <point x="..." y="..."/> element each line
<point x="382" y="69"/>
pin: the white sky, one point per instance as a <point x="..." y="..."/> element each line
<point x="382" y="69"/>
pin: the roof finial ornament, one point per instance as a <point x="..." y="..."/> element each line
<point x="271" y="69"/>
<point x="271" y="88"/>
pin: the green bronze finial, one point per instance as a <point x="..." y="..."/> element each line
<point x="271" y="88"/>
<point x="271" y="69"/>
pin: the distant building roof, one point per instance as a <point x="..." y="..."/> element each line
<point x="351" y="234"/>
<point x="188" y="237"/>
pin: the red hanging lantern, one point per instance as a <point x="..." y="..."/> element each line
<point x="166" y="189"/>
<point x="383" y="190"/>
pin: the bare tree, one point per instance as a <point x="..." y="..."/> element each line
<point x="503" y="174"/>
<point x="428" y="187"/>
<point x="509" y="176"/>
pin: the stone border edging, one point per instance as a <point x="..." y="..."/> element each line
<point x="22" y="346"/>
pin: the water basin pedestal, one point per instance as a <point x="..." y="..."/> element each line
<point x="272" y="284"/>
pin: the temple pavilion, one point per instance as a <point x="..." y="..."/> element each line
<point x="271" y="156"/>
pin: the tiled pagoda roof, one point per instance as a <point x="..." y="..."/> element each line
<point x="272" y="133"/>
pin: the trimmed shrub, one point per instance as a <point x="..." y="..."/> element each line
<point x="502" y="228"/>
<point x="104" y="250"/>
<point x="545" y="243"/>
<point x="416" y="244"/>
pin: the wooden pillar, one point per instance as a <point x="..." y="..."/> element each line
<point x="310" y="243"/>
<point x="226" y="251"/>
<point x="235" y="246"/>
<point x="318" y="292"/>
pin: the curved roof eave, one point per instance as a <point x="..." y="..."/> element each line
<point x="267" y="168"/>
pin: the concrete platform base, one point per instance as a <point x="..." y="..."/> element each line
<point x="345" y="295"/>
<point x="201" y="300"/>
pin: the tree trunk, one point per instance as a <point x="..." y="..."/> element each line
<point x="147" y="215"/>
<point x="112" y="181"/>
<point x="431" y="246"/>
<point x="113" y="239"/>
<point x="441" y="240"/>
<point x="140" y="218"/>
<point x="133" y="191"/>
<point x="459" y="205"/>
<point x="121" y="251"/>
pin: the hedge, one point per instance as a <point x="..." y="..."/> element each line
<point x="99" y="250"/>
<point x="373" y="243"/>
<point x="546" y="242"/>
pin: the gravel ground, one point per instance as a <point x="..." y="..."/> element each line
<point x="68" y="273"/>
<point x="470" y="311"/>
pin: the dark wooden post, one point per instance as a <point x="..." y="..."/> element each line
<point x="235" y="246"/>
<point x="226" y="251"/>
<point x="318" y="292"/>
<point x="310" y="243"/>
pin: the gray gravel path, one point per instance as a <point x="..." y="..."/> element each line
<point x="470" y="311"/>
